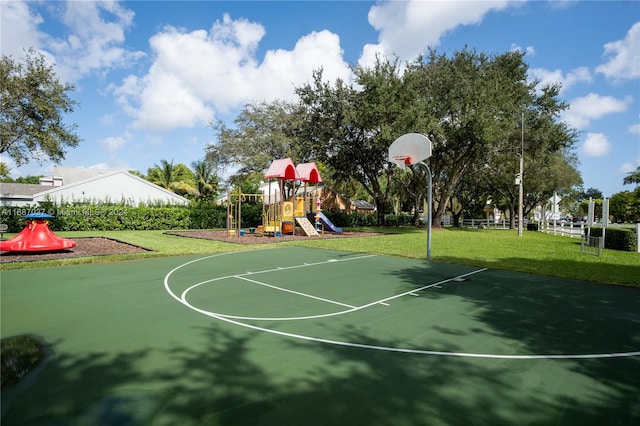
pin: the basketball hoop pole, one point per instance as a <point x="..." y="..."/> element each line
<point x="411" y="149"/>
<point x="429" y="202"/>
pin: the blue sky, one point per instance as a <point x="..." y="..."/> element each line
<point x="151" y="75"/>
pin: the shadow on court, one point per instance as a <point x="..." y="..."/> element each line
<point x="255" y="379"/>
<point x="547" y="315"/>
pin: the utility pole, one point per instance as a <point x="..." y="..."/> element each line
<point x="520" y="190"/>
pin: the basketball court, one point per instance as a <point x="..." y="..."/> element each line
<point x="297" y="335"/>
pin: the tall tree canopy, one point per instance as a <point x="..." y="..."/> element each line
<point x="350" y="128"/>
<point x="469" y="104"/>
<point x="262" y="134"/>
<point x="472" y="106"/>
<point x="33" y="103"/>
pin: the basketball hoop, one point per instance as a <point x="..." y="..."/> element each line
<point x="402" y="160"/>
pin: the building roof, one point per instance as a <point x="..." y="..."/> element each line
<point x="362" y="205"/>
<point x="21" y="189"/>
<point x="152" y="186"/>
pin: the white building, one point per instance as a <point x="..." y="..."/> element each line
<point x="87" y="186"/>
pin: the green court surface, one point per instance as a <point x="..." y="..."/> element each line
<point x="301" y="336"/>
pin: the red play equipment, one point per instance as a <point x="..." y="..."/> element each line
<point x="36" y="236"/>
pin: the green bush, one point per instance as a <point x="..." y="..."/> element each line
<point x="617" y="238"/>
<point x="115" y="218"/>
<point x="402" y="219"/>
<point x="354" y="220"/>
<point x="251" y="215"/>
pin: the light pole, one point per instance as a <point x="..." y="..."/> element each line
<point x="520" y="190"/>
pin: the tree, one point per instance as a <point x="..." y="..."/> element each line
<point x="408" y="187"/>
<point x="5" y="171"/>
<point x="32" y="107"/>
<point x="473" y="105"/>
<point x="625" y="206"/>
<point x="179" y="178"/>
<point x="632" y="177"/>
<point x="206" y="179"/>
<point x="162" y="174"/>
<point x="594" y="193"/>
<point x="350" y="129"/>
<point x="469" y="101"/>
<point x="262" y="134"/>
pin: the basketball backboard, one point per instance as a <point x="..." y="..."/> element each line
<point x="410" y="148"/>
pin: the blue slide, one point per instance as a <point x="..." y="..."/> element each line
<point x="325" y="221"/>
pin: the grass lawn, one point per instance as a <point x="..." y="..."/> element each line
<point x="534" y="252"/>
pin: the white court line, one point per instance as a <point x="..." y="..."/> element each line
<point x="384" y="348"/>
<point x="330" y="314"/>
<point x="421" y="351"/>
<point x="277" y="269"/>
<point x="293" y="292"/>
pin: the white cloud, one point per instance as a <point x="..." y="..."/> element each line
<point x="407" y="28"/>
<point x="96" y="32"/>
<point x="591" y="107"/>
<point x="107" y="119"/>
<point x="624" y="56"/>
<point x="92" y="41"/>
<point x="112" y="164"/>
<point x="596" y="145"/>
<point x="197" y="74"/>
<point x="113" y="143"/>
<point x="19" y="28"/>
<point x="100" y="166"/>
<point x="634" y="129"/>
<point x="626" y="168"/>
<point x="529" y="50"/>
<point x="546" y="77"/>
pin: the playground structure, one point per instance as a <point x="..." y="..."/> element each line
<point x="36" y="236"/>
<point x="234" y="210"/>
<point x="282" y="205"/>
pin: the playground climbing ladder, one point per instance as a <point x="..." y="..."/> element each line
<point x="306" y="226"/>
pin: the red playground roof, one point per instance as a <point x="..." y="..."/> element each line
<point x="309" y="172"/>
<point x="282" y="169"/>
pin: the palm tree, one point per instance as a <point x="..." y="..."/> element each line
<point x="632" y="177"/>
<point x="162" y="175"/>
<point x="206" y="180"/>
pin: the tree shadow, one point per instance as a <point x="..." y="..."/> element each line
<point x="548" y="315"/>
<point x="69" y="384"/>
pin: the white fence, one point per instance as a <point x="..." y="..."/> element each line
<point x="486" y="223"/>
<point x="572" y="230"/>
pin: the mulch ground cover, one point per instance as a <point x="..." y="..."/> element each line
<point x="85" y="246"/>
<point x="100" y="246"/>
<point x="249" y="238"/>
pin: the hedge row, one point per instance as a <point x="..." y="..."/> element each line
<point x="617" y="238"/>
<point x="114" y="218"/>
<point x="345" y="220"/>
<point x="117" y="218"/>
<point x="103" y="218"/>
